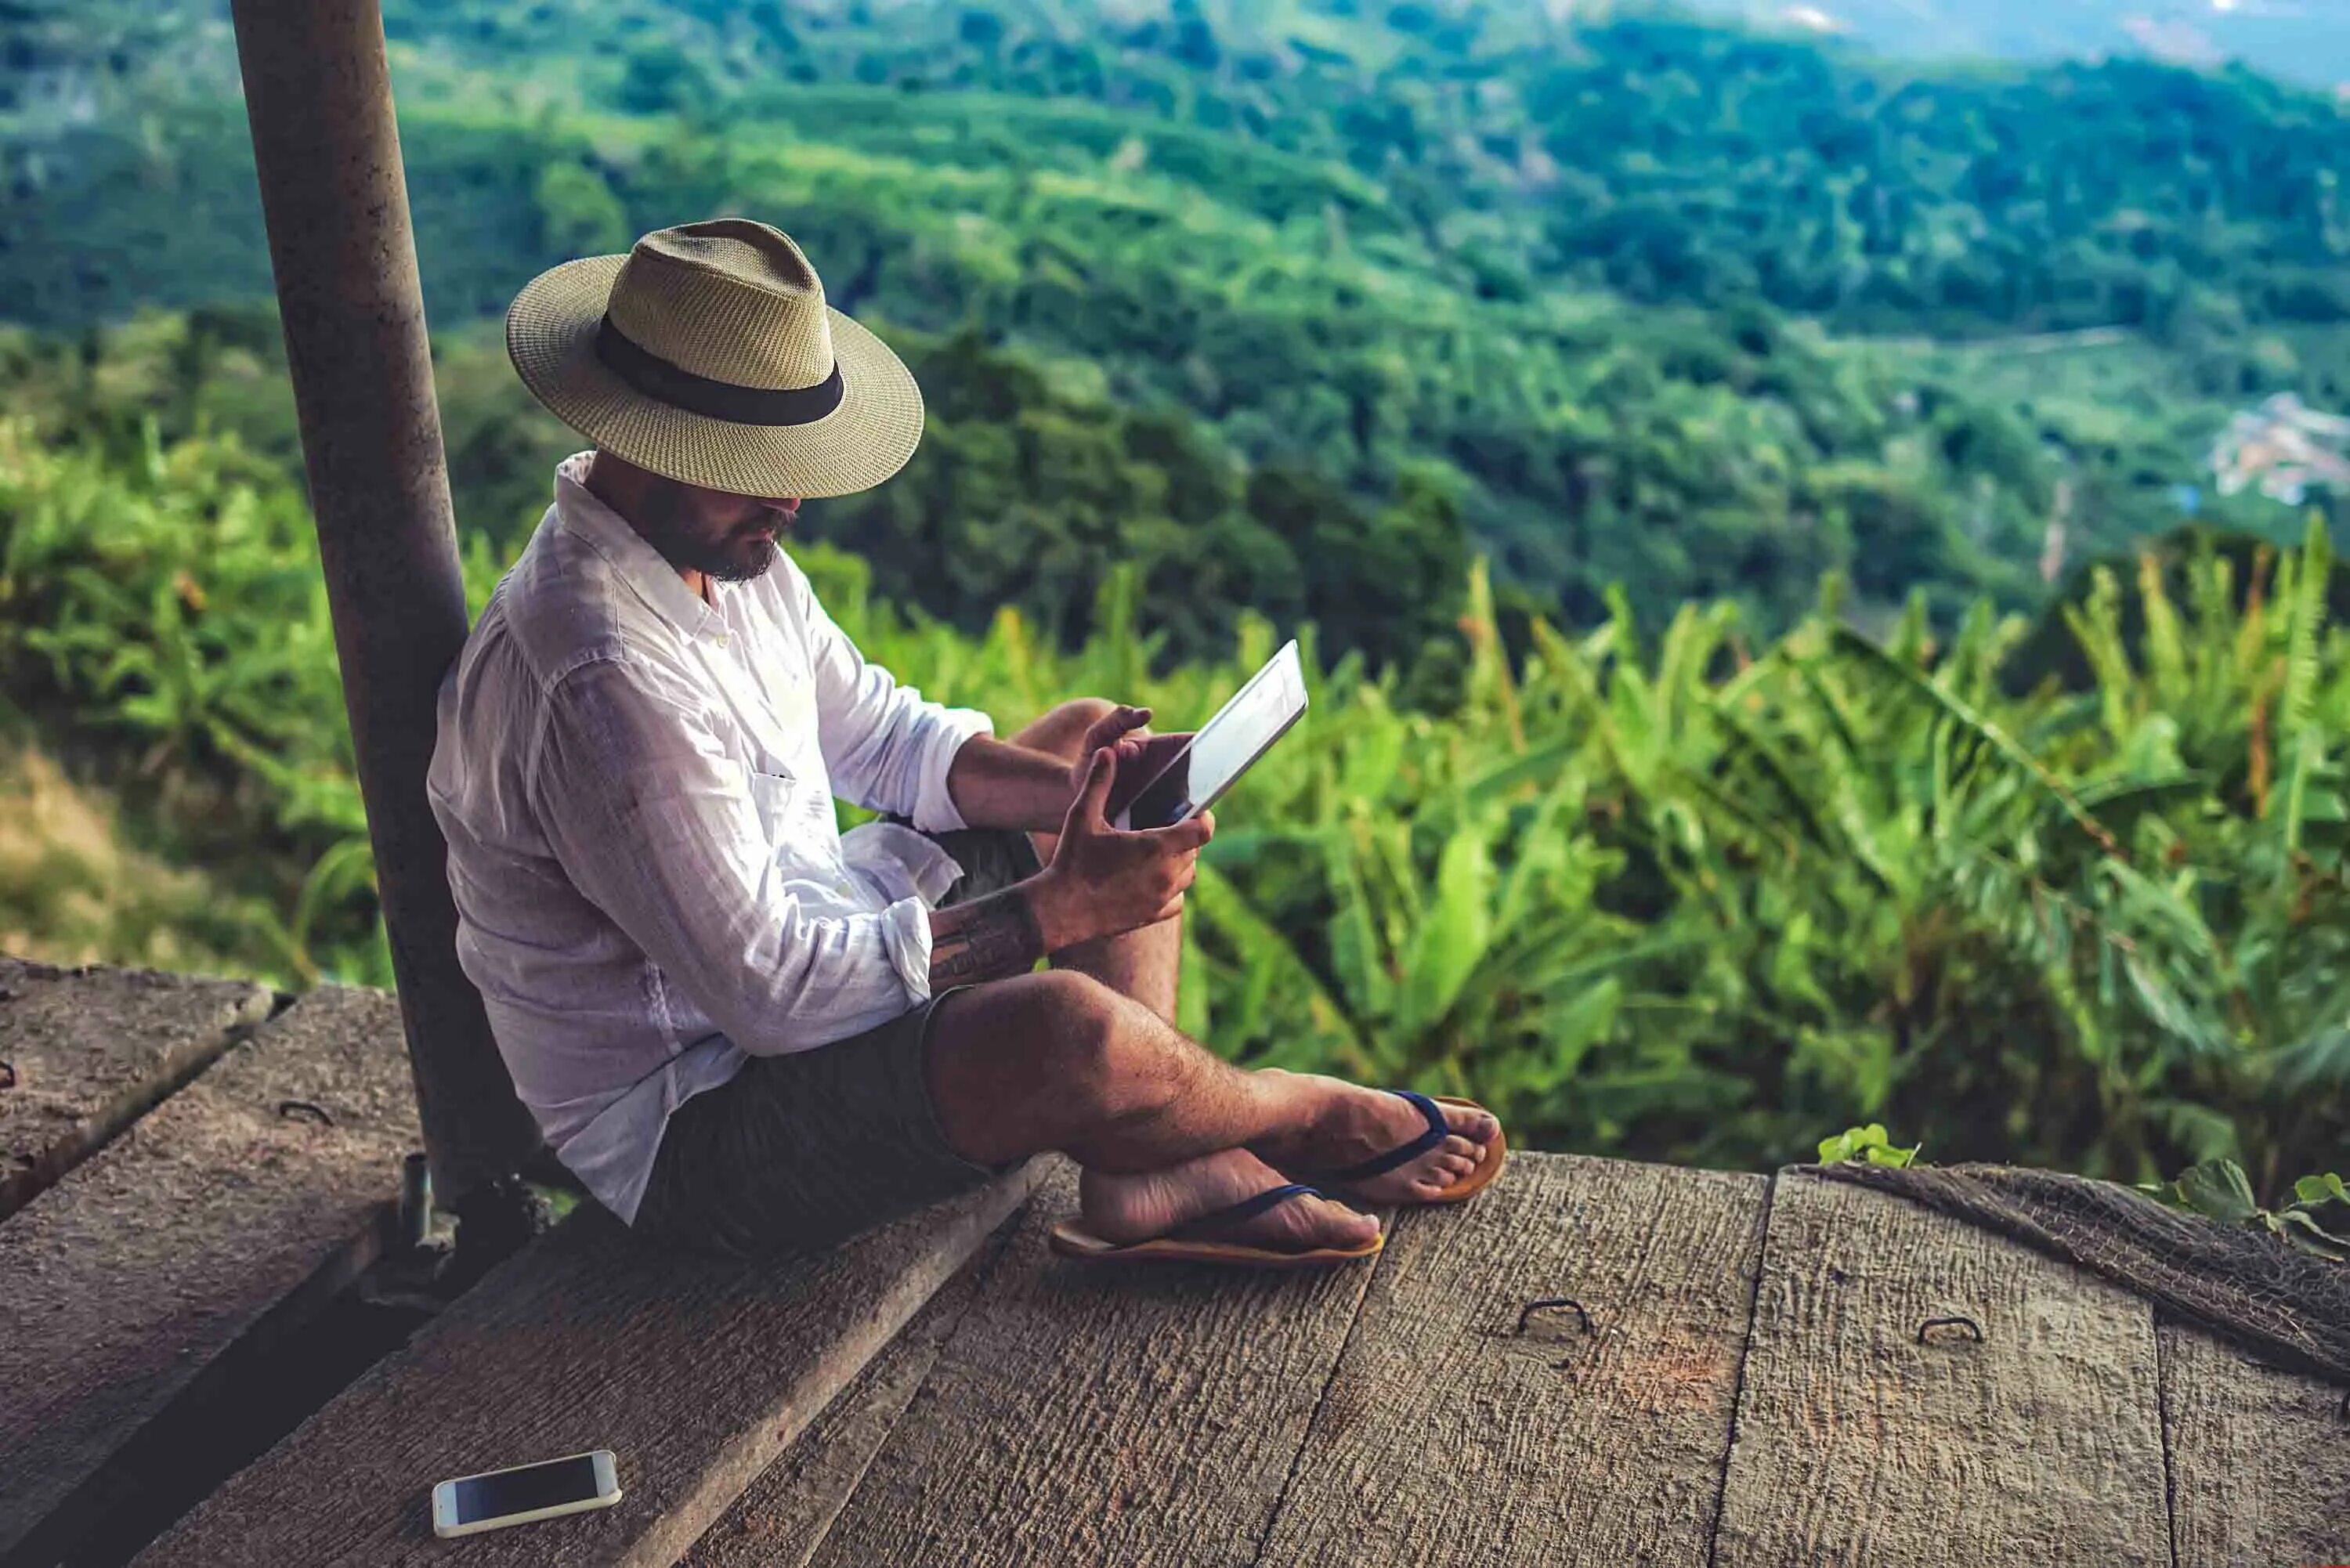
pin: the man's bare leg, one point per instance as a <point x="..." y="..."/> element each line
<point x="1165" y="1130"/>
<point x="1162" y="1129"/>
<point x="1145" y="966"/>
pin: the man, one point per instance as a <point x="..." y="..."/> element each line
<point x="742" y="1029"/>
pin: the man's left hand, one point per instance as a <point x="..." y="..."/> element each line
<point x="1140" y="755"/>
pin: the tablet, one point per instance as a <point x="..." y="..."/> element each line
<point x="1244" y="730"/>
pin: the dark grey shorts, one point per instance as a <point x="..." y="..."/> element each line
<point x="803" y="1152"/>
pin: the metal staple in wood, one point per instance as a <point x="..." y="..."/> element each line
<point x="1540" y="1304"/>
<point x="1958" y="1319"/>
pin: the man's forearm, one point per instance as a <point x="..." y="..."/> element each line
<point x="1003" y="933"/>
<point x="996" y="784"/>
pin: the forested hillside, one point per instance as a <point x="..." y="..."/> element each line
<point x="1391" y="246"/>
<point x="1585" y="388"/>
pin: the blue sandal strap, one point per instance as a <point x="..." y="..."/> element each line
<point x="1404" y="1153"/>
<point x="1247" y="1208"/>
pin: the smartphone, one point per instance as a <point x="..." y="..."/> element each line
<point x="496" y="1499"/>
<point x="1244" y="730"/>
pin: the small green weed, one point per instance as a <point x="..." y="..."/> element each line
<point x="2219" y="1189"/>
<point x="1867" y="1146"/>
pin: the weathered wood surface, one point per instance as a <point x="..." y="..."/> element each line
<point x="1447" y="1436"/>
<point x="696" y="1372"/>
<point x="2258" y="1472"/>
<point x="83" y="1052"/>
<point x="1754" y="1394"/>
<point x="785" y="1516"/>
<point x="1095" y="1412"/>
<point x="2039" y="1447"/>
<point x="126" y="1282"/>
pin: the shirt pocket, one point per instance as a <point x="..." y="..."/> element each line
<point x="802" y="842"/>
<point x="783" y="805"/>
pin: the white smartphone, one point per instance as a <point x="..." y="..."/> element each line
<point x="495" y="1499"/>
<point x="1227" y="745"/>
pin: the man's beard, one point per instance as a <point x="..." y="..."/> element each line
<point x="738" y="556"/>
<point x="743" y="556"/>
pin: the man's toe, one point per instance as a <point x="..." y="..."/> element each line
<point x="1340" y="1226"/>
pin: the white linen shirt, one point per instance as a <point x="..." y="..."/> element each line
<point x="637" y="789"/>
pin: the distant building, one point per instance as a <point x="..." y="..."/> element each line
<point x="2284" y="449"/>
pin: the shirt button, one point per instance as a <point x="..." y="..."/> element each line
<point x="725" y="639"/>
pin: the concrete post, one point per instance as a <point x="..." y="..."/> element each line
<point x="318" y="91"/>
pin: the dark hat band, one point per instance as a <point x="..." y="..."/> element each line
<point x="659" y="380"/>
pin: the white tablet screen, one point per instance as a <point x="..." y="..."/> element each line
<point x="1226" y="746"/>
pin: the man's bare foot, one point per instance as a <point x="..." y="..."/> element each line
<point x="1124" y="1210"/>
<point x="1345" y="1124"/>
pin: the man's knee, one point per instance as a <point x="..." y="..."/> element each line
<point x="1062" y="731"/>
<point x="1102" y="1050"/>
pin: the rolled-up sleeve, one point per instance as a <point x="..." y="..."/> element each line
<point x="885" y="747"/>
<point x="655" y="825"/>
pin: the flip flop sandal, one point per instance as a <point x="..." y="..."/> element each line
<point x="1489" y="1158"/>
<point x="1184" y="1245"/>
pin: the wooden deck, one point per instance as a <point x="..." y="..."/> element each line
<point x="1750" y="1371"/>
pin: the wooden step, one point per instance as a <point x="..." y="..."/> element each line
<point x="785" y="1516"/>
<point x="1916" y="1390"/>
<point x="1740" y="1380"/>
<point x="696" y="1372"/>
<point x="83" y="1052"/>
<point x="231" y="1211"/>
<point x="1383" y="1413"/>
<point x="1537" y="1415"/>
<point x="2255" y="1456"/>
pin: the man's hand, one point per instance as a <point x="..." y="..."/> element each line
<point x="1103" y="881"/>
<point x="1140" y="755"/>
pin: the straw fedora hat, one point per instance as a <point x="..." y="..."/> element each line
<point x="708" y="354"/>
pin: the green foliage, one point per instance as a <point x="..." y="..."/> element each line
<point x="72" y="892"/>
<point x="172" y="606"/>
<point x="2317" y="1189"/>
<point x="1539" y="276"/>
<point x="1027" y="490"/>
<point x="1673" y="897"/>
<point x="1669" y="159"/>
<point x="577" y="211"/>
<point x="1024" y="493"/>
<point x="1867" y="1146"/>
<point x="2218" y="1190"/>
<point x="1259" y="315"/>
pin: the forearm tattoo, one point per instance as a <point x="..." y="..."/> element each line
<point x="986" y="938"/>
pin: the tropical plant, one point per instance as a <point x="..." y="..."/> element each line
<point x="1689" y="895"/>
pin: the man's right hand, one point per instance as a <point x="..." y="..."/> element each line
<point x="1103" y="881"/>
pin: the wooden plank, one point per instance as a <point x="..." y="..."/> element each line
<point x="1139" y="1416"/>
<point x="785" y="1516"/>
<point x="85" y="1051"/>
<point x="1449" y="1437"/>
<point x="129" y="1279"/>
<point x="2041" y="1446"/>
<point x="697" y="1372"/>
<point x="2256" y="1469"/>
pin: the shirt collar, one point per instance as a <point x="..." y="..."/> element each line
<point x="642" y="566"/>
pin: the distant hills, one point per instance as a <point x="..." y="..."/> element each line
<point x="1621" y="297"/>
<point x="2305" y="40"/>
